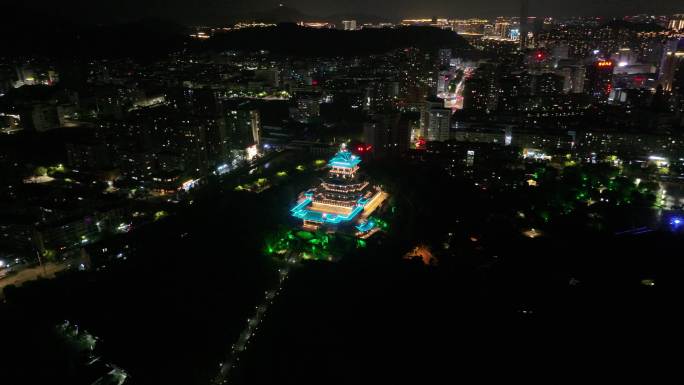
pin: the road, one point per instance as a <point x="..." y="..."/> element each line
<point x="32" y="274"/>
<point x="252" y="324"/>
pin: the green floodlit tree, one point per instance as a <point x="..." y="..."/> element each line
<point x="40" y="171"/>
<point x="50" y="255"/>
<point x="584" y="189"/>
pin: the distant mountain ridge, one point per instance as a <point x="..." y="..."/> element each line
<point x="290" y="39"/>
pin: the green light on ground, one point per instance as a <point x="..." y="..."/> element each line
<point x="361" y="244"/>
<point x="160" y="214"/>
<point x="545" y="216"/>
<point x="59" y="169"/>
<point x="305" y="235"/>
<point x="300" y="167"/>
<point x="281" y="173"/>
<point x="379" y="222"/>
<point x="319" y="162"/>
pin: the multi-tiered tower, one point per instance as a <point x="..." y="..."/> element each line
<point x="343" y="196"/>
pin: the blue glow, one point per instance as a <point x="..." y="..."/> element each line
<point x="300" y="206"/>
<point x="366" y="226"/>
<point x="317" y="216"/>
<point x="300" y="211"/>
<point x="344" y="159"/>
<point x="676" y="222"/>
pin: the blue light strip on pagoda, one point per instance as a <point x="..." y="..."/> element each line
<point x="344" y="159"/>
<point x="301" y="205"/>
<point x="332" y="219"/>
<point x="301" y="212"/>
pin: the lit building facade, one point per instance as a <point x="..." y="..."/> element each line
<point x="349" y="25"/>
<point x="676" y="22"/>
<point x="600" y="79"/>
<point x="673" y="57"/>
<point x="343" y="198"/>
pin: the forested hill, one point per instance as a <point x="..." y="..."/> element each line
<point x="292" y="39"/>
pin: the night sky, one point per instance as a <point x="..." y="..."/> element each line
<point x="197" y="11"/>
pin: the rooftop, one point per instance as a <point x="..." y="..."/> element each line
<point x="344" y="159"/>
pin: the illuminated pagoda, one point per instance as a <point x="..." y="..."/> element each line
<point x="343" y="198"/>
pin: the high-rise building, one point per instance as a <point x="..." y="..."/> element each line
<point x="387" y="132"/>
<point x="443" y="79"/>
<point x="678" y="80"/>
<point x="444" y="57"/>
<point x="673" y="57"/>
<point x="624" y="57"/>
<point x="600" y="78"/>
<point x="502" y="29"/>
<point x="425" y="113"/>
<point x="573" y="78"/>
<point x="676" y="22"/>
<point x="439" y="124"/>
<point x="243" y="125"/>
<point x="524" y="26"/>
<point x="349" y="25"/>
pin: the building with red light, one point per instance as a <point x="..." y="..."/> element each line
<point x="599" y="81"/>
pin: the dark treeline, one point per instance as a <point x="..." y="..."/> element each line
<point x="152" y="38"/>
<point x="295" y="40"/>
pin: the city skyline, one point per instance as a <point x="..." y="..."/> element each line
<point x="336" y="193"/>
<point x="215" y="12"/>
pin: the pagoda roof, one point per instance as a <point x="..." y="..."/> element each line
<point x="344" y="159"/>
